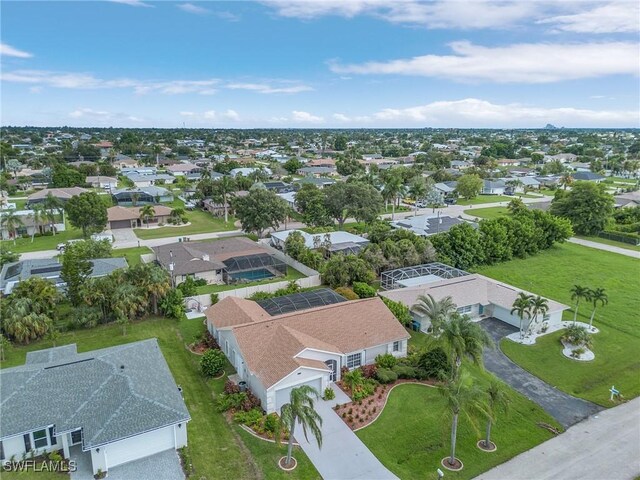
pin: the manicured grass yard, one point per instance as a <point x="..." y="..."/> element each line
<point x="551" y="274"/>
<point x="131" y="254"/>
<point x="412" y="434"/>
<point x="485" y="199"/>
<point x="201" y="222"/>
<point x="490" y="212"/>
<point x="292" y="274"/>
<point x="218" y="449"/>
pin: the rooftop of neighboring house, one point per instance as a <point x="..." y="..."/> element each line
<point x="61" y="193"/>
<point x="195" y="257"/>
<point x="313" y="240"/>
<point x="133" y="213"/>
<point x="589" y="176"/>
<point x="465" y="290"/>
<point x="429" y="224"/>
<point x="101" y="179"/>
<point x="112" y="393"/>
<point x="182" y="167"/>
<point x="270" y="344"/>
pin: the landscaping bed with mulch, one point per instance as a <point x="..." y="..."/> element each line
<point x="363" y="412"/>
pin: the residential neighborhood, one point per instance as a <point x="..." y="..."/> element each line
<point x="319" y="240"/>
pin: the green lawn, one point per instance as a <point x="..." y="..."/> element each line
<point x="218" y="449"/>
<point x="42" y="243"/>
<point x="490" y="212"/>
<point x="292" y="274"/>
<point x="131" y="254"/>
<point x="613" y="243"/>
<point x="551" y="274"/>
<point x="480" y="199"/>
<point x="201" y="222"/>
<point x="412" y="434"/>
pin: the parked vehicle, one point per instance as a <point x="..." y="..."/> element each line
<point x="102" y="236"/>
<point x="61" y="246"/>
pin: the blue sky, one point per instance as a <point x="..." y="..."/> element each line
<point x="358" y="63"/>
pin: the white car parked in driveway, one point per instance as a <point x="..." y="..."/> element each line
<point x="61" y="246"/>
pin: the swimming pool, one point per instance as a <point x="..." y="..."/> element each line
<point x="258" y="274"/>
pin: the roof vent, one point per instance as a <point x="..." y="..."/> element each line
<point x="205" y="257"/>
<point x="121" y="367"/>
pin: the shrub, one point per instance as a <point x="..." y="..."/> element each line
<point x="386" y="361"/>
<point x="369" y="371"/>
<point x="386" y="375"/>
<point x="400" y="311"/>
<point x="364" y="290"/>
<point x="576" y="352"/>
<point x="404" y="371"/>
<point x="364" y="390"/>
<point x="55" y="456"/>
<point x="250" y="418"/>
<point x="261" y="296"/>
<point x="212" y="362"/>
<point x="329" y="394"/>
<point x="434" y="363"/>
<point x="230" y="387"/>
<point x="231" y="401"/>
<point x="577" y="335"/>
<point x="210" y="341"/>
<point x="272" y="424"/>
<point x="347" y="293"/>
<point x="215" y="298"/>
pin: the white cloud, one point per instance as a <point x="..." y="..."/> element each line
<point x="473" y="112"/>
<point x="210" y="114"/>
<point x="265" y="88"/>
<point x="191" y="8"/>
<point x="90" y="116"/>
<point x="470" y="14"/>
<point x="9" y="51"/>
<point x="521" y="63"/>
<point x="618" y="17"/>
<point x="133" y="3"/>
<point x="187" y="114"/>
<point x="231" y="115"/>
<point x="341" y="117"/>
<point x="305" y="117"/>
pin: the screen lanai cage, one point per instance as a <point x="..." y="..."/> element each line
<point x="300" y="301"/>
<point x="418" y="275"/>
<point x="249" y="268"/>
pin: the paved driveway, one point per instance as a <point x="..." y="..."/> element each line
<point x="124" y="235"/>
<point x="606" y="446"/>
<point x="161" y="466"/>
<point x="342" y="456"/>
<point x="567" y="410"/>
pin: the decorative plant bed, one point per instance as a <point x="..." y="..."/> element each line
<point x="481" y="446"/>
<point x="576" y="352"/>
<point x="359" y="414"/>
<point x="456" y="467"/>
<point x="285" y="467"/>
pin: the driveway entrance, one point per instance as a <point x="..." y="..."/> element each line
<point x="567" y="410"/>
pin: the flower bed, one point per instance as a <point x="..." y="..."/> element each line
<point x="363" y="412"/>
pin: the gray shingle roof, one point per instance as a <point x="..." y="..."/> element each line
<point x="112" y="393"/>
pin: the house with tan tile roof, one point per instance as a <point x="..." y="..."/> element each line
<point x="474" y="295"/>
<point x="274" y="354"/>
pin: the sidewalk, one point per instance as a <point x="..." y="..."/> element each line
<point x="603" y="246"/>
<point x="605" y="446"/>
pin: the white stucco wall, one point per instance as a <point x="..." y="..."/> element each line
<point x="297" y="377"/>
<point x="14" y="447"/>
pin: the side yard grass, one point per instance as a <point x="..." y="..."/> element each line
<point x="218" y="450"/>
<point x="480" y="199"/>
<point x="490" y="212"/>
<point x="552" y="273"/>
<point x="131" y="254"/>
<point x="201" y="222"/>
<point x="24" y="245"/>
<point x="292" y="274"/>
<point x="412" y="434"/>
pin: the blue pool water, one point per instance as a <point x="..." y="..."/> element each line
<point x="259" y="274"/>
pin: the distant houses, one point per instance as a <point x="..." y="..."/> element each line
<point x="427" y="225"/>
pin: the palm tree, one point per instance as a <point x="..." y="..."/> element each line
<point x="461" y="337"/>
<point x="522" y="307"/>
<point x="392" y="187"/>
<point x="301" y="409"/>
<point x="152" y="280"/>
<point x="11" y="222"/>
<point x="538" y="305"/>
<point x="497" y="400"/>
<point x="566" y="180"/>
<point x="53" y="205"/>
<point x="578" y="293"/>
<point x="147" y="213"/>
<point x="597" y="296"/>
<point x="437" y="311"/>
<point x="39" y="216"/>
<point x="417" y="190"/>
<point x="127" y="301"/>
<point x="461" y="397"/>
<point x="222" y="188"/>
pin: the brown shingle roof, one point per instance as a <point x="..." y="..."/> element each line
<point x="269" y="345"/>
<point x="63" y="193"/>
<point x="133" y="213"/>
<point x="232" y="311"/>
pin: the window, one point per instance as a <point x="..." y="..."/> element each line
<point x="396" y="346"/>
<point x="465" y="309"/>
<point x="1" y="451"/>
<point x="354" y="361"/>
<point x="40" y="439"/>
<point x="52" y="439"/>
<point x="27" y="442"/>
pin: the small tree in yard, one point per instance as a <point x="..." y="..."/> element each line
<point x="212" y="362"/>
<point x="301" y="409"/>
<point x="461" y="397"/>
<point x="88" y="212"/>
<point x="578" y="293"/>
<point x="469" y="186"/>
<point x="597" y="296"/>
<point x="522" y="307"/>
<point x="147" y="213"/>
<point x="497" y="399"/>
<point x="538" y="306"/>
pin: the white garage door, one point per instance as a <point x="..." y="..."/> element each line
<point x="140" y="446"/>
<point x="282" y="395"/>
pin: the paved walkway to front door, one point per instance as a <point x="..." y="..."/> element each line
<point x="342" y="456"/>
<point x="567" y="410"/>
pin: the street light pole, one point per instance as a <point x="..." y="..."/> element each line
<point x="171" y="265"/>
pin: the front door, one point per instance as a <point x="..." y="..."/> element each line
<point x="333" y="365"/>
<point x="76" y="437"/>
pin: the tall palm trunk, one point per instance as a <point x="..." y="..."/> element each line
<point x="593" y="314"/>
<point x="487" y="440"/>
<point x="575" y="313"/>
<point x="290" y="446"/>
<point x="226" y="208"/>
<point x="454" y="433"/>
<point x="393" y="210"/>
